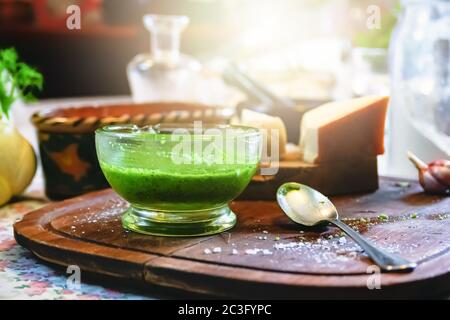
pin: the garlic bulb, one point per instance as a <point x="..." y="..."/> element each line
<point x="434" y="177"/>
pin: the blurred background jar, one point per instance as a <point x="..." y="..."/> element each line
<point x="166" y="74"/>
<point x="419" y="118"/>
<point x="163" y="73"/>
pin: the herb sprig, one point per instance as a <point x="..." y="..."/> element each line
<point x="17" y="80"/>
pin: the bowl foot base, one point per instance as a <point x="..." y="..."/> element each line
<point x="179" y="224"/>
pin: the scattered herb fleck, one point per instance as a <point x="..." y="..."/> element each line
<point x="383" y="217"/>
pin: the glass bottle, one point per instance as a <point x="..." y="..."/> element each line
<point x="165" y="74"/>
<point x="420" y="85"/>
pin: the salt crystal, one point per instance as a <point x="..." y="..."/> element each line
<point x="265" y="231"/>
<point x="255" y="251"/>
<point x="207" y="251"/>
<point x="234" y="251"/>
<point x="342" y="258"/>
<point x="290" y="245"/>
<point x="217" y="250"/>
<point x="342" y="240"/>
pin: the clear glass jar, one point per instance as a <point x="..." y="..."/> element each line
<point x="420" y="83"/>
<point x="164" y="74"/>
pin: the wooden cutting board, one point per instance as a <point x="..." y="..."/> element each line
<point x="272" y="257"/>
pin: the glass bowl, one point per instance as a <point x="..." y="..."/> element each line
<point x="178" y="179"/>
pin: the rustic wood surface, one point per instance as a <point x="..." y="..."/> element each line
<point x="289" y="261"/>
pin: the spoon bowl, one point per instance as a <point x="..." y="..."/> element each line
<point x="304" y="205"/>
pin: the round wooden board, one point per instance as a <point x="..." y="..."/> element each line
<point x="265" y="255"/>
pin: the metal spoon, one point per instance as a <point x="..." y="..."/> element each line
<point x="309" y="207"/>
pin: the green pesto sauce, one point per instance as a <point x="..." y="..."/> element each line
<point x="170" y="190"/>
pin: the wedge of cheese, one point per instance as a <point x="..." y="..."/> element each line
<point x="344" y="130"/>
<point x="273" y="131"/>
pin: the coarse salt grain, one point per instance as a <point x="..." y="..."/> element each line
<point x="217" y="250"/>
<point x="255" y="251"/>
<point x="207" y="251"/>
<point x="289" y="245"/>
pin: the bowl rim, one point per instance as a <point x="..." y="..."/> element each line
<point x="135" y="131"/>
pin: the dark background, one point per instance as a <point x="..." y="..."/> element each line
<point x="92" y="61"/>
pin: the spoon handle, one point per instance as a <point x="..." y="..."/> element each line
<point x="386" y="261"/>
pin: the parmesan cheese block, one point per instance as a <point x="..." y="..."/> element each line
<point x="343" y="130"/>
<point x="273" y="131"/>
